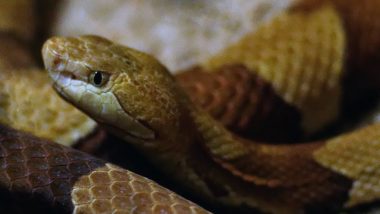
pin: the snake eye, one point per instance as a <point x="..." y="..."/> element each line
<point x="99" y="78"/>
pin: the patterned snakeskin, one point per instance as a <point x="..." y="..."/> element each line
<point x="361" y="22"/>
<point x="309" y="48"/>
<point x="40" y="176"/>
<point x="40" y="171"/>
<point x="274" y="178"/>
<point x="113" y="189"/>
<point x="356" y="155"/>
<point x="242" y="102"/>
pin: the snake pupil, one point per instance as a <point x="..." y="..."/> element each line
<point x="98" y="77"/>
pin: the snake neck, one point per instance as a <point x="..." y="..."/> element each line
<point x="199" y="153"/>
<point x="175" y="135"/>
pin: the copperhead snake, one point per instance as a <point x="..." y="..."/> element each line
<point x="144" y="105"/>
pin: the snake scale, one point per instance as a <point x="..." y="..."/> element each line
<point x="189" y="130"/>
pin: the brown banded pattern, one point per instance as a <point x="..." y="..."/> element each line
<point x="40" y="176"/>
<point x="302" y="64"/>
<point x="243" y="102"/>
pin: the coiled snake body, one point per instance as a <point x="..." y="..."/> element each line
<point x="134" y="96"/>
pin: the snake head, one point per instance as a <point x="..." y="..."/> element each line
<point x="121" y="88"/>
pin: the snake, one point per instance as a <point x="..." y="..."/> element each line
<point x="135" y="97"/>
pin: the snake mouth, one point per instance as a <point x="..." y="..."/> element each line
<point x="113" y="128"/>
<point x="60" y="81"/>
<point x="148" y="133"/>
<point x="123" y="123"/>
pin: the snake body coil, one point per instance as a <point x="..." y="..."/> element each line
<point x="270" y="86"/>
<point x="187" y="143"/>
<point x="197" y="151"/>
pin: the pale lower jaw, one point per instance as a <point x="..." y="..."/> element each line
<point x="60" y="82"/>
<point x="60" y="91"/>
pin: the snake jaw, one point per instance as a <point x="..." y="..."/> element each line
<point x="107" y="111"/>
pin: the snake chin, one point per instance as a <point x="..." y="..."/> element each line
<point x="57" y="88"/>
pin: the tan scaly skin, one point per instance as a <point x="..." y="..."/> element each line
<point x="134" y="96"/>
